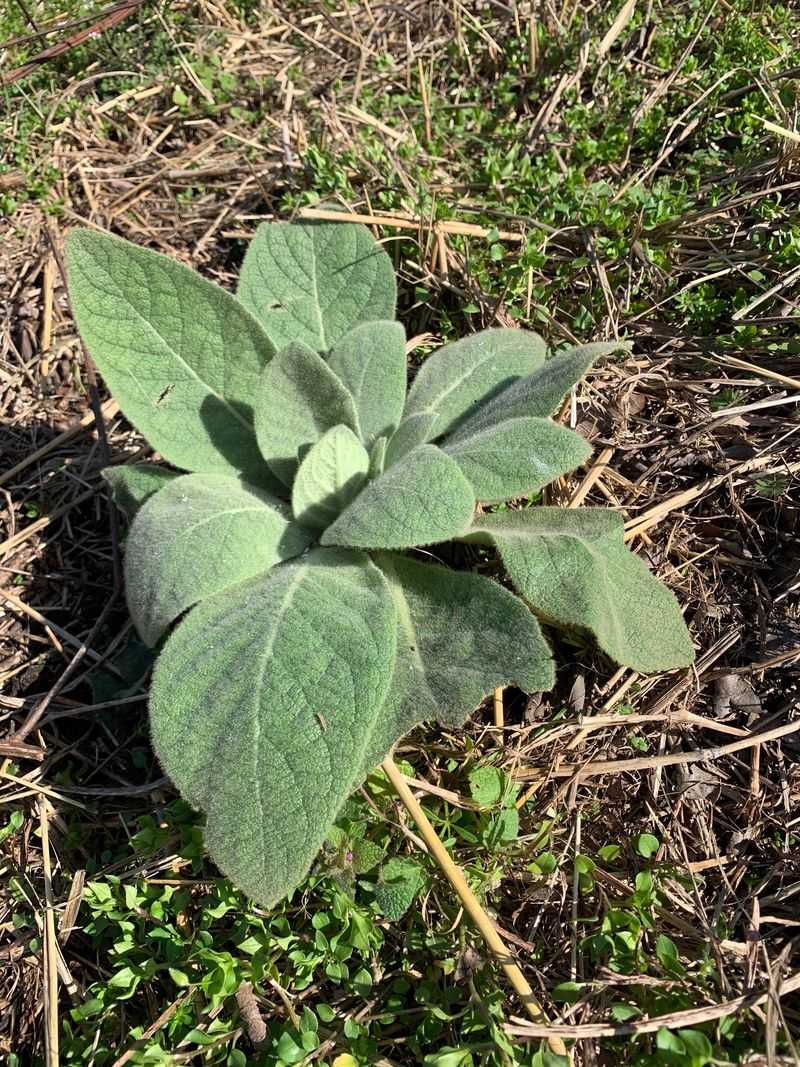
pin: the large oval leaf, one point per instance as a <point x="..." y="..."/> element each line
<point x="134" y="483"/>
<point x="420" y="500"/>
<point x="459" y="636"/>
<point x="516" y="457"/>
<point x="371" y="362"/>
<point x="298" y="399"/>
<point x="199" y="535"/>
<point x="262" y="704"/>
<point x="573" y="567"/>
<point x="314" y="281"/>
<point x="331" y="474"/>
<point x="457" y="379"/>
<point x="539" y="394"/>
<point x="182" y="357"/>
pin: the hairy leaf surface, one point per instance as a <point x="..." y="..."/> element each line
<point x="134" y="483"/>
<point x="330" y="475"/>
<point x="539" y="394"/>
<point x="457" y="379"/>
<point x="422" y="499"/>
<point x="276" y="684"/>
<point x="412" y="431"/>
<point x="370" y="360"/>
<point x="313" y="281"/>
<point x="298" y="399"/>
<point x="459" y="636"/>
<point x="573" y="567"/>
<point x="201" y="534"/>
<point x="182" y="357"/>
<point x="516" y="457"/>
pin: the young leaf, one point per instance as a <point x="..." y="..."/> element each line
<point x="401" y="880"/>
<point x="413" y="431"/>
<point x="457" y="379"/>
<point x="331" y="474"/>
<point x="516" y="457"/>
<point x="314" y="281"/>
<point x="377" y="457"/>
<point x="573" y="567"/>
<point x="540" y="394"/>
<point x="262" y="704"/>
<point x="199" y="535"/>
<point x="181" y="356"/>
<point x="421" y="500"/>
<point x="298" y="399"/>
<point x="133" y="484"/>
<point x="459" y="636"/>
<point x="371" y="362"/>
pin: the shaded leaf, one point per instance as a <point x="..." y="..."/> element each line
<point x="279" y="681"/>
<point x="298" y="399"/>
<point x="573" y="567"/>
<point x="370" y="360"/>
<point x="460" y="377"/>
<point x="201" y="534"/>
<point x="412" y="431"/>
<point x="540" y="393"/>
<point x="459" y="636"/>
<point x="400" y="881"/>
<point x="312" y="282"/>
<point x="181" y="356"/>
<point x="516" y="457"/>
<point x="330" y="475"/>
<point x="135" y="483"/>
<point x="423" y="499"/>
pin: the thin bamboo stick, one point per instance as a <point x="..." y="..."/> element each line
<point x="471" y="904"/>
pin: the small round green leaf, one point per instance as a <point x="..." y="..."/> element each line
<point x="330" y="475"/>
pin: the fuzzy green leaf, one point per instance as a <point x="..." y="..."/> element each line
<point x="401" y="880"/>
<point x="199" y="535"/>
<point x="135" y="483"/>
<point x="459" y="636"/>
<point x="371" y="362"/>
<point x="181" y="356"/>
<point x="298" y="399"/>
<point x="377" y="457"/>
<point x="516" y="457"/>
<point x="540" y="393"/>
<point x="421" y="500"/>
<point x="314" y="281"/>
<point x="573" y="567"/>
<point x="262" y="704"/>
<point x="413" y="431"/>
<point x="331" y="474"/>
<point x="458" y="379"/>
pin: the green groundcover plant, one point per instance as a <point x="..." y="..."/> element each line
<point x="312" y="637"/>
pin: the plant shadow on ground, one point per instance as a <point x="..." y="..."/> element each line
<point x="684" y="882"/>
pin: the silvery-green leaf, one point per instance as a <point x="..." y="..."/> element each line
<point x="422" y="499"/>
<point x="134" y="483"/>
<point x="370" y="360"/>
<point x="458" y="379"/>
<point x="314" y="281"/>
<point x="540" y="393"/>
<point x="298" y="399"/>
<point x="412" y="431"/>
<point x="262" y="705"/>
<point x="199" y="535"/>
<point x="181" y="356"/>
<point x="331" y="473"/>
<point x="572" y="565"/>
<point x="459" y="636"/>
<point x="516" y="457"/>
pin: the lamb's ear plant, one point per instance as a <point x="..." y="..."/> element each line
<point x="308" y="635"/>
